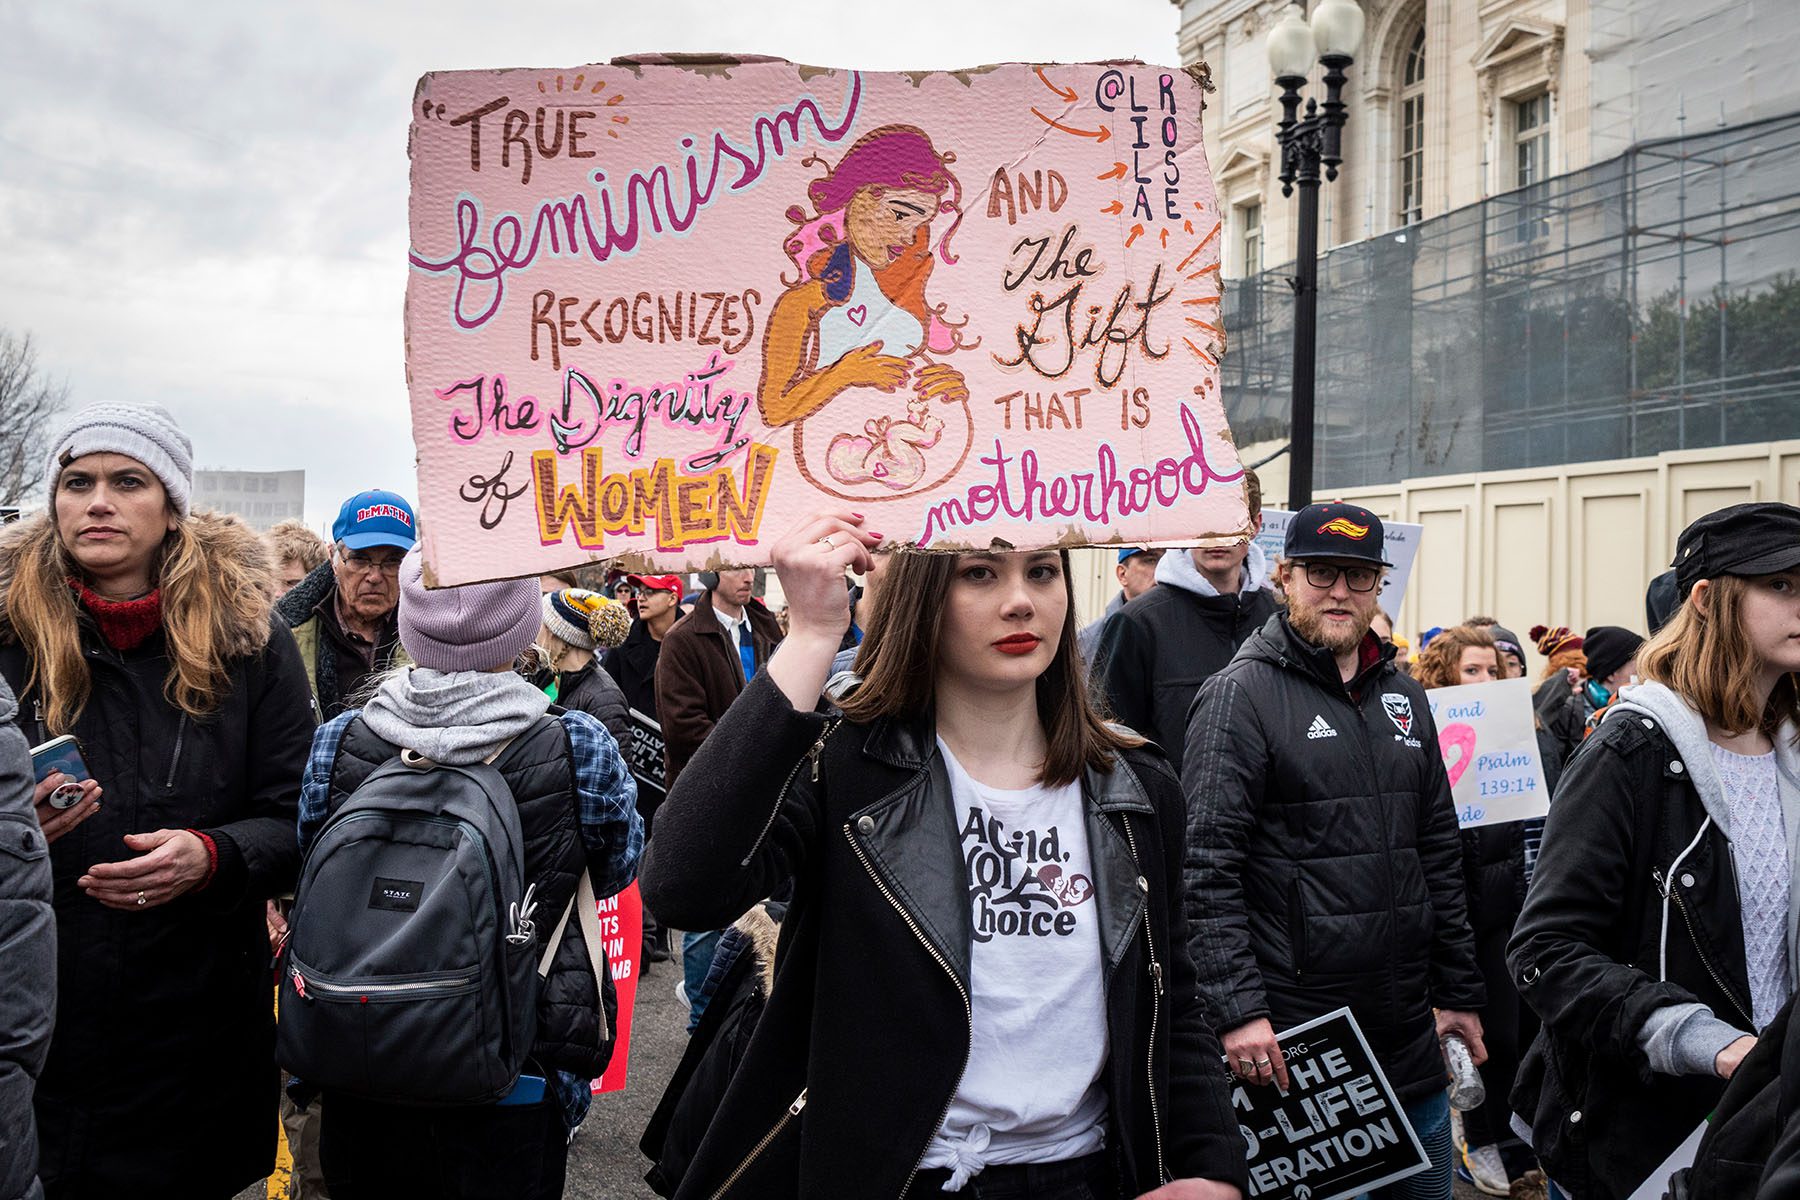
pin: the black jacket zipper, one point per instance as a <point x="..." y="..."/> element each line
<point x="1156" y="981"/>
<point x="175" y="758"/>
<point x="1687" y="919"/>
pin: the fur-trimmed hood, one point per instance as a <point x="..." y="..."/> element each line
<point x="237" y="562"/>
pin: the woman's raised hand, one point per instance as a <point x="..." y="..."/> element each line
<point x="810" y="561"/>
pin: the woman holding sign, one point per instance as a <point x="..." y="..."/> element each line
<point x="984" y="972"/>
<point x="1658" y="938"/>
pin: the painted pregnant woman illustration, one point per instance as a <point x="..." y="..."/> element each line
<point x="856" y="318"/>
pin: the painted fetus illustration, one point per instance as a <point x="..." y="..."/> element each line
<point x="857" y="317"/>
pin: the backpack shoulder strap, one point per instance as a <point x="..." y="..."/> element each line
<point x="586" y="906"/>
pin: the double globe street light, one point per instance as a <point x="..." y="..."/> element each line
<point x="1307" y="144"/>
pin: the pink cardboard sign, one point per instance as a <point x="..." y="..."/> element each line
<point x="661" y="311"/>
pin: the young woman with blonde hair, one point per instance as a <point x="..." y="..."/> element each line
<point x="145" y="632"/>
<point x="1658" y="937"/>
<point x="983" y="982"/>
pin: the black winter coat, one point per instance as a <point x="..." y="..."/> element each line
<point x="592" y="691"/>
<point x="862" y="1042"/>
<point x="161" y="1078"/>
<point x="1156" y="652"/>
<point x="537" y="767"/>
<point x="632" y="665"/>
<point x="1494" y="859"/>
<point x="1586" y="958"/>
<point x="1324" y="863"/>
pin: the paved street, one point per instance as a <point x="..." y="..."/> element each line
<point x="604" y="1163"/>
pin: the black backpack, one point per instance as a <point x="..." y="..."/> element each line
<point x="417" y="951"/>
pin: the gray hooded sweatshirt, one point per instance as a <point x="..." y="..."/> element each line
<point x="453" y="717"/>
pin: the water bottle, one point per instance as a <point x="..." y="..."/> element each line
<point x="1466" y="1089"/>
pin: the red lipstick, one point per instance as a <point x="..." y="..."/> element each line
<point x="1018" y="643"/>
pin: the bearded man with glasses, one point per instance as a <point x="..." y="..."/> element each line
<point x="1324" y="866"/>
<point x="344" y="614"/>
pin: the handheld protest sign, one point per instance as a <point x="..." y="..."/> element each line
<point x="644" y="755"/>
<point x="1339" y="1129"/>
<point x="663" y="309"/>
<point x="622" y="928"/>
<point x="1488" y="738"/>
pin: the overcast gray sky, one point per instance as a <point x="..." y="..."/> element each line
<point x="203" y="205"/>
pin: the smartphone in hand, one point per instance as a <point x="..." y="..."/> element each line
<point x="61" y="755"/>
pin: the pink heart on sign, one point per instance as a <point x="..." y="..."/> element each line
<point x="858" y="315"/>
<point x="1460" y="738"/>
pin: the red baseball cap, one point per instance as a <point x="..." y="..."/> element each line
<point x="656" y="583"/>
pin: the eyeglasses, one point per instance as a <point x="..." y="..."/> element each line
<point x="361" y="563"/>
<point x="1358" y="579"/>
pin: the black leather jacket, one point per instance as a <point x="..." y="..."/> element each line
<point x="864" y="1037"/>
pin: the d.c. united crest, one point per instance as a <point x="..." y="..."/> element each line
<point x="1399" y="710"/>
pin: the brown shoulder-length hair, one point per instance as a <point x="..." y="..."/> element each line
<point x="898" y="664"/>
<point x="1440" y="664"/>
<point x="212" y="572"/>
<point x="1703" y="656"/>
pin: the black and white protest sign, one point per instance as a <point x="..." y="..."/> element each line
<point x="1337" y="1131"/>
<point x="644" y="756"/>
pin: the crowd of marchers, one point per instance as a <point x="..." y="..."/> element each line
<point x="972" y="900"/>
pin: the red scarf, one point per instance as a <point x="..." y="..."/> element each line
<point x="124" y="624"/>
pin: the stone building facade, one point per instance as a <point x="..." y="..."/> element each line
<point x="1450" y="101"/>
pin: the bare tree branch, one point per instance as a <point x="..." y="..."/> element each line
<point x="29" y="402"/>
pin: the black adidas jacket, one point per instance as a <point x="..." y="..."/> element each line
<point x="1324" y="865"/>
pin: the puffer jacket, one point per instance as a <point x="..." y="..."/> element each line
<point x="1633" y="910"/>
<point x="28" y="941"/>
<point x="1324" y="863"/>
<point x="161" y="1077"/>
<point x="862" y="1042"/>
<point x="538" y="768"/>
<point x="590" y="690"/>
<point x="1155" y="652"/>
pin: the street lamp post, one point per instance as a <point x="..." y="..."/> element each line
<point x="1308" y="144"/>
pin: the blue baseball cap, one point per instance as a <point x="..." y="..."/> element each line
<point x="375" y="518"/>
<point x="1131" y="552"/>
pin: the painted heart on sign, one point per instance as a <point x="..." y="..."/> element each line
<point x="858" y="315"/>
<point x="1461" y="739"/>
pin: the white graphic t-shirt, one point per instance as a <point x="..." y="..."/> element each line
<point x="1032" y="1090"/>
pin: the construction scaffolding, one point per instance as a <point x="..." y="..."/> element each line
<point x="1648" y="302"/>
